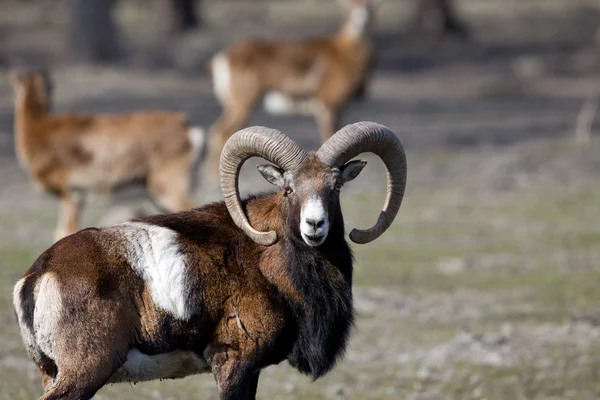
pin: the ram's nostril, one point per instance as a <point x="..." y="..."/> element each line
<point x="315" y="223"/>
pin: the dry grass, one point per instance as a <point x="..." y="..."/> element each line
<point x="475" y="292"/>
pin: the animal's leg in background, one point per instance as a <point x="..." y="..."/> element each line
<point x="231" y="120"/>
<point x="216" y="133"/>
<point x="361" y="90"/>
<point x="68" y="220"/>
<point x="169" y="182"/>
<point x="327" y="117"/>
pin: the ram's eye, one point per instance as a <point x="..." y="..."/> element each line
<point x="288" y="190"/>
<point x="338" y="185"/>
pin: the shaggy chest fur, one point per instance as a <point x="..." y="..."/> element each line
<point x="323" y="278"/>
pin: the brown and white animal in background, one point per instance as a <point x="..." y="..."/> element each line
<point x="315" y="76"/>
<point x="68" y="155"/>
<point x="228" y="288"/>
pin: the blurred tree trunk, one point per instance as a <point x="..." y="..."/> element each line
<point x="92" y="33"/>
<point x="438" y="18"/>
<point x="175" y="16"/>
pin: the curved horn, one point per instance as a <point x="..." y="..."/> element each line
<point x="269" y="144"/>
<point x="362" y="137"/>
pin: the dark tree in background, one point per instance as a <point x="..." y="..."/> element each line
<point x="438" y="19"/>
<point x="175" y="16"/>
<point x="92" y="33"/>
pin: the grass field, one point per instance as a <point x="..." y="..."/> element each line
<point x="485" y="287"/>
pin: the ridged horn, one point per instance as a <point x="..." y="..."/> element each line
<point x="363" y="137"/>
<point x="256" y="141"/>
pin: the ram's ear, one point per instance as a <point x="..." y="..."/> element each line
<point x="272" y="174"/>
<point x="351" y="169"/>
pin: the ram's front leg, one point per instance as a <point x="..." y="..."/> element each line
<point x="68" y="221"/>
<point x="234" y="375"/>
<point x="241" y="340"/>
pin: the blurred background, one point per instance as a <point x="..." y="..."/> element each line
<point x="485" y="287"/>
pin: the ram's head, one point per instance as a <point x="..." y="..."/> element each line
<point x="311" y="182"/>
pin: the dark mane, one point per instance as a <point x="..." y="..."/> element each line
<point x="323" y="277"/>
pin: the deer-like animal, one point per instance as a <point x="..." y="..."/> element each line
<point x="68" y="155"/>
<point x="317" y="76"/>
<point x="229" y="288"/>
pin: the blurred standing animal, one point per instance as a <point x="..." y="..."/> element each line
<point x="68" y="155"/>
<point x="310" y="77"/>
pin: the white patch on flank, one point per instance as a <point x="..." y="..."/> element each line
<point x="313" y="210"/>
<point x="47" y="313"/>
<point x="26" y="333"/>
<point x="154" y="253"/>
<point x="221" y="72"/>
<point x="278" y="103"/>
<point x="140" y="367"/>
<point x="197" y="137"/>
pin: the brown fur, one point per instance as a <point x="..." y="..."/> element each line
<point x="330" y="70"/>
<point x="257" y="305"/>
<point x="71" y="153"/>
